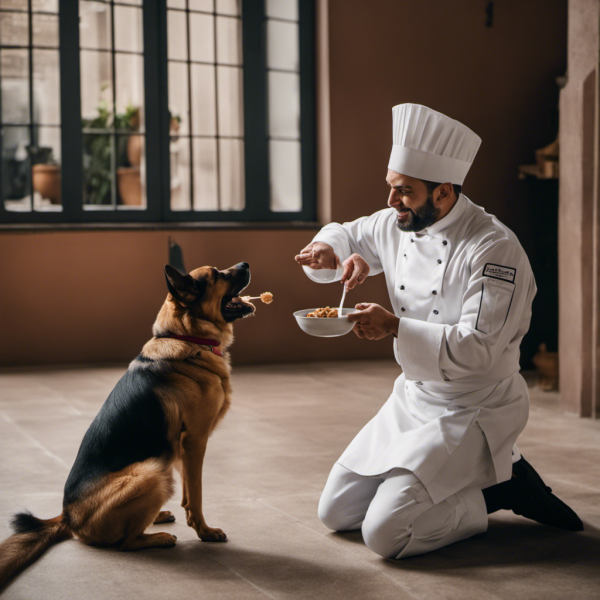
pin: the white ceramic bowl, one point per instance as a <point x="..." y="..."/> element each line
<point x="325" y="327"/>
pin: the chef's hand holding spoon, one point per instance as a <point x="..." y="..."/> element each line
<point x="356" y="270"/>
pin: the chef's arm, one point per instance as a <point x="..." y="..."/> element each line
<point x="496" y="313"/>
<point x="355" y="237"/>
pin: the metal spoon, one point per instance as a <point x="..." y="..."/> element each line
<point x="342" y="302"/>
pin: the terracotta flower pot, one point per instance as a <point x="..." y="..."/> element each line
<point x="46" y="181"/>
<point x="135" y="145"/>
<point x="129" y="183"/>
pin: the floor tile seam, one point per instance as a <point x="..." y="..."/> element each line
<point x="551" y="479"/>
<point x="239" y="575"/>
<point x="324" y="536"/>
<point x="543" y="441"/>
<point x="36" y="442"/>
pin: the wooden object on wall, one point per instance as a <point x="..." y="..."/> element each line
<point x="546" y="364"/>
<point x="546" y="166"/>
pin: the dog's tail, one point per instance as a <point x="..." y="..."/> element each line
<point x="31" y="539"/>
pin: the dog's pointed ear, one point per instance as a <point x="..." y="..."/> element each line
<point x="180" y="286"/>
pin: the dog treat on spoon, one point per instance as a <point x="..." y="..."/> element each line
<point x="266" y="297"/>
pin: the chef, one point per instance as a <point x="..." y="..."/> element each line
<point x="440" y="454"/>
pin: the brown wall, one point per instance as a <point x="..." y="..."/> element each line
<point x="93" y="296"/>
<point x="579" y="301"/>
<point x="87" y="296"/>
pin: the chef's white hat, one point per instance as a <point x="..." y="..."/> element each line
<point x="431" y="146"/>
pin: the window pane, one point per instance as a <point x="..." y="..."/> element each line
<point x="284" y="105"/>
<point x="15" y="180"/>
<point x="229" y="37"/>
<point x="282" y="9"/>
<point x="228" y="7"/>
<point x="94" y="25"/>
<point x="45" y="30"/>
<point x="203" y="100"/>
<point x="286" y="183"/>
<point x="128" y="29"/>
<point x="136" y="2"/>
<point x="130" y="91"/>
<point x="14" y="29"/>
<point x="96" y="88"/>
<point x="97" y="169"/>
<point x="180" y="174"/>
<point x="45" y="5"/>
<point x="282" y="45"/>
<point x="46" y="87"/>
<point x="202" y="41"/>
<point x="178" y="97"/>
<point x="230" y="101"/>
<point x="206" y="5"/>
<point x="46" y="170"/>
<point x="13" y="4"/>
<point x="231" y="176"/>
<point x="176" y="3"/>
<point x="14" y="77"/>
<point x="177" y="35"/>
<point x="205" y="174"/>
<point x="131" y="168"/>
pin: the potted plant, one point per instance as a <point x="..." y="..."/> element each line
<point x="46" y="176"/>
<point x="97" y="157"/>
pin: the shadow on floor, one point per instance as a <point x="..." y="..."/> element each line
<point x="507" y="544"/>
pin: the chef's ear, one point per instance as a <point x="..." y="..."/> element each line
<point x="445" y="191"/>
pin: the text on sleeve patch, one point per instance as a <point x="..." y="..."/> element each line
<point x="499" y="272"/>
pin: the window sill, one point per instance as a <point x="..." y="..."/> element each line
<point x="213" y="226"/>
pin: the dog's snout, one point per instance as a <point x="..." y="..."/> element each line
<point x="243" y="265"/>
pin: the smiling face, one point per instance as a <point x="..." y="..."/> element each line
<point x="410" y="198"/>
<point x="211" y="294"/>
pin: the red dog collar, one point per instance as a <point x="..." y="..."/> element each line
<point x="212" y="344"/>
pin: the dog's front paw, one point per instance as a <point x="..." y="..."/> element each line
<point x="166" y="540"/>
<point x="212" y="534"/>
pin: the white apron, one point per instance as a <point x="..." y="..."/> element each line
<point x="463" y="290"/>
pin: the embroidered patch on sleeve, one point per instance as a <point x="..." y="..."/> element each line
<point x="499" y="272"/>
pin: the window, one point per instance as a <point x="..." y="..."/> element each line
<point x="174" y="110"/>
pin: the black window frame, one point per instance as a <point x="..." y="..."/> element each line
<point x="158" y="193"/>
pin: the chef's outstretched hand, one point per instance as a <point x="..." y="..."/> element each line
<point x="356" y="270"/>
<point x="318" y="255"/>
<point x="373" y="322"/>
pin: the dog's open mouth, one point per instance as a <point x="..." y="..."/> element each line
<point x="237" y="303"/>
<point x="233" y="307"/>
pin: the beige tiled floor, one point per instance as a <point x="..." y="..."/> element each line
<point x="264" y="471"/>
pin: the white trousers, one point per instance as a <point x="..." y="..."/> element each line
<point x="397" y="516"/>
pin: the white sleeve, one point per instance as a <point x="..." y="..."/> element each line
<point x="355" y="237"/>
<point x="498" y="295"/>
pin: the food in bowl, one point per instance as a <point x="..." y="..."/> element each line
<point x="324" y="327"/>
<point x="324" y="313"/>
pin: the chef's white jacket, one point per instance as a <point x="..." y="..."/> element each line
<point x="463" y="290"/>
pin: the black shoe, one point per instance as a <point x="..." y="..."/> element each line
<point x="527" y="495"/>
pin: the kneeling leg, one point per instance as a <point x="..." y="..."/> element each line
<point x="403" y="521"/>
<point x="346" y="498"/>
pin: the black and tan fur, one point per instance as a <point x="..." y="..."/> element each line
<point x="159" y="416"/>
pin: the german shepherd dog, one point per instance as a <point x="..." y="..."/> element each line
<point x="159" y="415"/>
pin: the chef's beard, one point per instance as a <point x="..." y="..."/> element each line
<point x="425" y="216"/>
